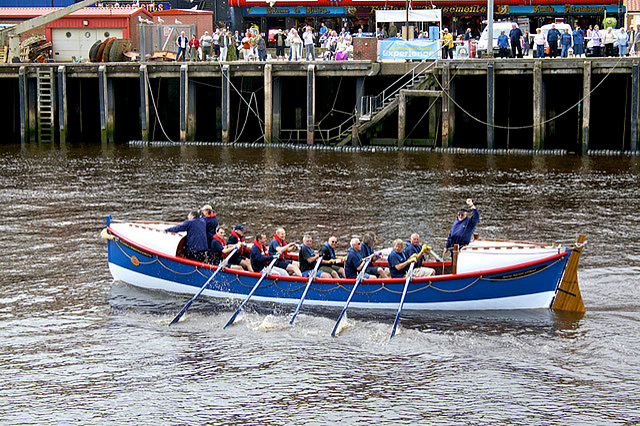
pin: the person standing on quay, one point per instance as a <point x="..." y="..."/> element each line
<point x="596" y="41"/>
<point x="565" y="43"/>
<point x="623" y="40"/>
<point x="205" y="43"/>
<point x="447" y="44"/>
<point x="539" y="41"/>
<point x="578" y="42"/>
<point x="515" y="35"/>
<point x="503" y="44"/>
<point x="309" y="45"/>
<point x="609" y="40"/>
<point x="552" y="38"/>
<point x="182" y="43"/>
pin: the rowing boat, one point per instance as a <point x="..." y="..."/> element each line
<point x="487" y="275"/>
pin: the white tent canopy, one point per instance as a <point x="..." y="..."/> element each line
<point x="422" y="15"/>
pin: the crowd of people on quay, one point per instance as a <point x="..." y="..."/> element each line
<point x="292" y="44"/>
<point x="205" y="242"/>
<point x="310" y="44"/>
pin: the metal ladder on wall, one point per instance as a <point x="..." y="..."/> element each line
<point x="373" y="108"/>
<point x="46" y="104"/>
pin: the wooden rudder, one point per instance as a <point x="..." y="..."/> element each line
<point x="568" y="297"/>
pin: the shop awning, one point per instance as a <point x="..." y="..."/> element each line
<point x="422" y="15"/>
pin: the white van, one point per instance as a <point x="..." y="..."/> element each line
<point x="498" y="27"/>
<point x="560" y="27"/>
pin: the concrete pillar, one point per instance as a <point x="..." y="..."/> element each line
<point x="402" y="117"/>
<point x="311" y="102"/>
<point x="23" y="88"/>
<point x="106" y="105"/>
<point x="225" y="104"/>
<point x="62" y="103"/>
<point x="433" y="120"/>
<point x="635" y="100"/>
<point x="446" y="104"/>
<point x="184" y="101"/>
<point x="268" y="103"/>
<point x="586" y="105"/>
<point x="538" y="114"/>
<point x="359" y="94"/>
<point x="144" y="102"/>
<point x="277" y="109"/>
<point x="191" y="110"/>
<point x="491" y="103"/>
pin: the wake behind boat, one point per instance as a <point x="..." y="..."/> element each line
<point x="487" y="274"/>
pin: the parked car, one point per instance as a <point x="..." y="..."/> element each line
<point x="498" y="27"/>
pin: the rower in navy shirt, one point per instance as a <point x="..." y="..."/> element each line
<point x="219" y="249"/>
<point x="463" y="226"/>
<point x="355" y="262"/>
<point x="241" y="257"/>
<point x="413" y="246"/>
<point x="399" y="261"/>
<point x="260" y="256"/>
<point x="279" y="246"/>
<point x="369" y="239"/>
<point x="195" y="247"/>
<point x="329" y="255"/>
<point x="307" y="258"/>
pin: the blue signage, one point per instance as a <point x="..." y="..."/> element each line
<point x="591" y="9"/>
<point x="298" y="10"/>
<point x="397" y="48"/>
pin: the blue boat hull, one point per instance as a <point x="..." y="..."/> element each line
<point x="528" y="286"/>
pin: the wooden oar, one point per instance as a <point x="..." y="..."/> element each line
<point x="255" y="287"/>
<point x="353" y="290"/>
<point x="404" y="293"/>
<point x="312" y="276"/>
<point x="221" y="266"/>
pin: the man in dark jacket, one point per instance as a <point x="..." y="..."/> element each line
<point x="195" y="247"/>
<point x="552" y="38"/>
<point x="463" y="227"/>
<point x="515" y="35"/>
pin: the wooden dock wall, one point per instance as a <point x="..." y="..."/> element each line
<point x="570" y="104"/>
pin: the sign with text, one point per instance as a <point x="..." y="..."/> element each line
<point x="396" y="48"/>
<point x="300" y="10"/>
<point x="151" y="6"/>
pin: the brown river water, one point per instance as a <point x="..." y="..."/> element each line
<point x="78" y="348"/>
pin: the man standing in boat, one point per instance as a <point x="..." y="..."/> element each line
<point x="400" y="259"/>
<point x="328" y="252"/>
<point x="463" y="226"/>
<point x="369" y="239"/>
<point x="195" y="247"/>
<point x="241" y="257"/>
<point x="307" y="258"/>
<point x="260" y="256"/>
<point x="279" y="246"/>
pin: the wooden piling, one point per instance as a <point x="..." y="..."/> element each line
<point x="105" y="97"/>
<point x="586" y="105"/>
<point x="225" y="103"/>
<point x="62" y="104"/>
<point x="144" y="102"/>
<point x="277" y="109"/>
<point x="402" y="117"/>
<point x="311" y="103"/>
<point x="538" y="112"/>
<point x="184" y="107"/>
<point x="446" y="103"/>
<point x="635" y="100"/>
<point x="23" y="88"/>
<point x="491" y="103"/>
<point x="268" y="103"/>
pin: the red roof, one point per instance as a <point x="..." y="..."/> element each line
<point x="182" y="12"/>
<point x="87" y="12"/>
<point x="633" y="5"/>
